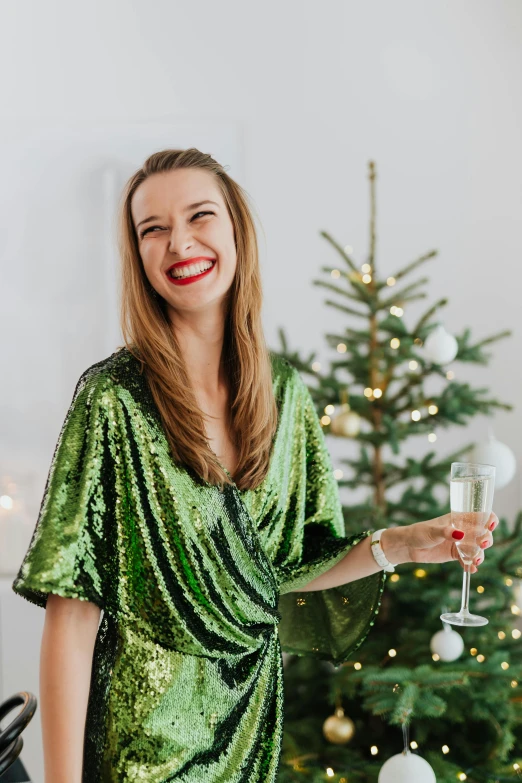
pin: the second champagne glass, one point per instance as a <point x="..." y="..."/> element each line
<point x="471" y="496"/>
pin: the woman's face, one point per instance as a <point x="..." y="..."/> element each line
<point x="171" y="229"/>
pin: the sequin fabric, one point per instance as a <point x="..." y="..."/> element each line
<point x="199" y="587"/>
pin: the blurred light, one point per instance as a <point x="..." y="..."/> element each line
<point x="366" y="268"/>
<point x="395" y="577"/>
<point x="316" y="366"/>
<point x="501" y="635"/>
<point x="516" y="634"/>
<point x="413" y="745"/>
<point x="325" y="420"/>
<point x="516" y="766"/>
<point x="480" y="589"/>
<point x="450" y="375"/>
<point x="392" y="310"/>
<point x="436" y="657"/>
<point x="395" y="342"/>
<point x="338" y="474"/>
<point x="377" y="393"/>
<point x="420" y="573"/>
<point x="391" y="281"/>
<point x="514" y="683"/>
<point x="399" y="311"/>
<point x="329" y="771"/>
<point x="368" y="392"/>
<point x="415" y="415"/>
<point x="341" y="348"/>
<point x="329" y="409"/>
<point x="445" y="749"/>
<point x="374" y="750"/>
<point x="348" y="249"/>
<point x="418" y="341"/>
<point x="392" y="653"/>
<point x="433" y="410"/>
<point x="505" y="665"/>
<point x="335" y="273"/>
<point x="515" y="609"/>
<point x="473" y="651"/>
<point x="432" y="437"/>
<point x="357" y="666"/>
<point x="480" y="658"/>
<point x="508" y="581"/>
<point x="367" y="278"/>
<point x="6" y="501"/>
<point x="413" y="364"/>
<point x="462" y="776"/>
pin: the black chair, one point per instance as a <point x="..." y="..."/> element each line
<point x="11" y="743"/>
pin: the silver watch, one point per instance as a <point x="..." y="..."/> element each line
<point x="378" y="553"/>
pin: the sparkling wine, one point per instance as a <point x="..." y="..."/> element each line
<point x="471" y="503"/>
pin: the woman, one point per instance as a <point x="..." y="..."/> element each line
<point x="191" y="498"/>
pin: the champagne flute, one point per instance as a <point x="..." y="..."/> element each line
<point x="471" y="496"/>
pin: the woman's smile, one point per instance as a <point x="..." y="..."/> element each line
<point x="189" y="271"/>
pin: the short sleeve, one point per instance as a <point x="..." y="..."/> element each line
<point x="332" y="623"/>
<point x="71" y="549"/>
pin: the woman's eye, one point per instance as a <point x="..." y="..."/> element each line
<point x="201" y="213"/>
<point x="151" y="228"/>
<point x="148" y="229"/>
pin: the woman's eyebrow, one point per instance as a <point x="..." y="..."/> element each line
<point x="190" y="206"/>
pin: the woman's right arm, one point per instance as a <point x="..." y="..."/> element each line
<point x="68" y="639"/>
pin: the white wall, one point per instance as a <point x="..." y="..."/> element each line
<point x="431" y="92"/>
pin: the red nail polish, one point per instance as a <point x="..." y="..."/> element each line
<point x="458" y="534"/>
<point x="477" y="562"/>
<point x="484" y="544"/>
<point x="492" y="526"/>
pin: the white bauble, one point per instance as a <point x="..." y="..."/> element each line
<point x="448" y="644"/>
<point x="440" y="346"/>
<point x="493" y="452"/>
<point x="406" y="768"/>
<point x="346" y="423"/>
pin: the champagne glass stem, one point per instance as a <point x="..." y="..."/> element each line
<point x="464" y="609"/>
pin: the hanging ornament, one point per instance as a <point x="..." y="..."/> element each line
<point x="447" y="644"/>
<point x="406" y="767"/>
<point x="440" y="346"/>
<point x="493" y="452"/>
<point x="338" y="728"/>
<point x="346" y="423"/>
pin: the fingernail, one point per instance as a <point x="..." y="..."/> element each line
<point x="484" y="544"/>
<point x="458" y="534"/>
<point x="477" y="562"/>
<point x="492" y="526"/>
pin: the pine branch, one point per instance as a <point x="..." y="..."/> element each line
<point x="340" y="250"/>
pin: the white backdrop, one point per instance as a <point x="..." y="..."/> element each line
<point x="297" y="96"/>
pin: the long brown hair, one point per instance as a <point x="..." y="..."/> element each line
<point x="149" y="336"/>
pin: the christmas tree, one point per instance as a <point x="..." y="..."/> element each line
<point x="453" y="696"/>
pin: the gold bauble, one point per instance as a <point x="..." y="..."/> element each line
<point x="338" y="729"/>
<point x="347" y="423"/>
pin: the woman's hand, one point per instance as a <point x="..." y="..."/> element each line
<point x="433" y="541"/>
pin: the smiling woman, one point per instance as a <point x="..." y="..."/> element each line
<point x="191" y="497"/>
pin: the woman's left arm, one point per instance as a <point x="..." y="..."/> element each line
<point x="422" y="542"/>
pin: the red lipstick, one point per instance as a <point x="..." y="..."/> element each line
<point x="188" y="262"/>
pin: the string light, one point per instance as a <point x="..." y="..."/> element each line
<point x="450" y="375"/>
<point x="377" y="393"/>
<point x="481" y="658"/>
<point x="325" y="420"/>
<point x="341" y="348"/>
<point x="480" y="589"/>
<point x="366" y="268"/>
<point x="391" y="281"/>
<point x="433" y="410"/>
<point x="392" y="310"/>
<point x="316" y="366"/>
<point x="445" y="749"/>
<point x="462" y="776"/>
<point x="399" y="312"/>
<point x="367" y="279"/>
<point x="6" y="502"/>
<point x="395" y="577"/>
<point x="338" y="474"/>
<point x="516" y="634"/>
<point x="473" y="651"/>
<point x="330" y="773"/>
<point x="508" y="581"/>
<point x="413" y="364"/>
<point x="501" y="635"/>
<point x="420" y="573"/>
<point x="415" y="415"/>
<point x="436" y="657"/>
<point x="413" y="745"/>
<point x="392" y="653"/>
<point x="504" y="665"/>
<point x="515" y="609"/>
<point x="374" y="750"/>
<point x="348" y="249"/>
<point x="335" y="273"/>
<point x="432" y="437"/>
<point x="395" y="342"/>
<point x="516" y="766"/>
<point x="368" y="392"/>
<point x="357" y="666"/>
<point x="329" y="409"/>
<point x="514" y="683"/>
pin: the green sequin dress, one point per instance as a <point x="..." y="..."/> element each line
<point x="194" y="582"/>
